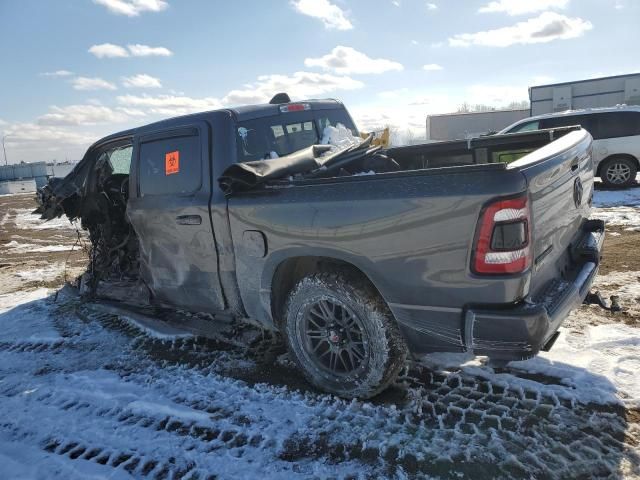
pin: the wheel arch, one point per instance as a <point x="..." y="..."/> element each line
<point x="628" y="156"/>
<point x="285" y="274"/>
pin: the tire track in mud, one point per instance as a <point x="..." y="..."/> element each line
<point x="446" y="425"/>
<point x="471" y="411"/>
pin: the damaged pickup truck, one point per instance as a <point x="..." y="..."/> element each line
<point x="357" y="255"/>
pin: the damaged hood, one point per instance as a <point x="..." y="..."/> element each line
<point x="63" y="195"/>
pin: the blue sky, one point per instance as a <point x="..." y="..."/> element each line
<point x="76" y="70"/>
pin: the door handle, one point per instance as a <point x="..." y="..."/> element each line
<point x="189" y="220"/>
<point x="575" y="164"/>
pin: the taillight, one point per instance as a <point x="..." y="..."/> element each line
<point x="503" y="238"/>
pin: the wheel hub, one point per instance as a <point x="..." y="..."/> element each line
<point x="335" y="339"/>
<point x="618" y="173"/>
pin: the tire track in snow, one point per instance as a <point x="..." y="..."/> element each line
<point x="162" y="417"/>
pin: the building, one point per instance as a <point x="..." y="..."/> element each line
<point x="451" y="126"/>
<point x="591" y="93"/>
<point x="25" y="171"/>
<point x="557" y="97"/>
<point x="28" y="177"/>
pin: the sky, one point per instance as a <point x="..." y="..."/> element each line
<point x="74" y="71"/>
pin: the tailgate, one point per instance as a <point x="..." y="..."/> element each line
<point x="560" y="183"/>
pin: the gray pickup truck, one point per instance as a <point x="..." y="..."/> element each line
<point x="357" y="255"/>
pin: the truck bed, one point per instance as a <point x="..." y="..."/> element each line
<point x="412" y="231"/>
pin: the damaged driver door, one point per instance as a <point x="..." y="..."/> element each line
<point x="169" y="209"/>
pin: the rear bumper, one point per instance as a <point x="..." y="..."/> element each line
<point x="521" y="331"/>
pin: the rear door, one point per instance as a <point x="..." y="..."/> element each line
<point x="169" y="210"/>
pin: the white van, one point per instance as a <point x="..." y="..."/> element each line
<point x="616" y="138"/>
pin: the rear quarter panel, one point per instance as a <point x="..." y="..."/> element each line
<point x="410" y="233"/>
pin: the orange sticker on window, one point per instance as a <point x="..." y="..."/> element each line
<point x="172" y="162"/>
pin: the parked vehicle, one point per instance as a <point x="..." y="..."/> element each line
<point x="357" y="255"/>
<point x="616" y="138"/>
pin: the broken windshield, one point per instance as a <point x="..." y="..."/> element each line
<point x="280" y="135"/>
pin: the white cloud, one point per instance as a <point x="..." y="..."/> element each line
<point x="519" y="7"/>
<point x="57" y="73"/>
<point x="395" y="3"/>
<point x="108" y="50"/>
<point x="142" y="80"/>
<point x="138" y="50"/>
<point x="300" y="85"/>
<point x="393" y="94"/>
<point x="30" y="135"/>
<point x="81" y="115"/>
<point x="133" y="8"/>
<point x="332" y="16"/>
<point x="169" y="104"/>
<point x="432" y="67"/>
<point x="132" y="112"/>
<point x="347" y="60"/>
<point x="545" y="28"/>
<point x="432" y="6"/>
<point x="95" y="83"/>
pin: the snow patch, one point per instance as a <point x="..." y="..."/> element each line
<point x="45" y="274"/>
<point x="601" y="364"/>
<point x="15" y="247"/>
<point x="615" y="198"/>
<point x="26" y="220"/>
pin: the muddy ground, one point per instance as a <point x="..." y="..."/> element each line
<point x="211" y="409"/>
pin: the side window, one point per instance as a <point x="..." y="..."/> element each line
<point x="120" y="160"/>
<point x="170" y="166"/>
<point x="616" y="124"/>
<point x="585" y="121"/>
<point x="526" y="127"/>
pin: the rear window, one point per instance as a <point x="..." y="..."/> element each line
<point x="282" y="134"/>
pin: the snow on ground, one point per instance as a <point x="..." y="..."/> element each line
<point x="16" y="247"/>
<point x="598" y="365"/>
<point x="618" y="207"/>
<point x="44" y="274"/>
<point x="25" y="219"/>
<point x="84" y="393"/>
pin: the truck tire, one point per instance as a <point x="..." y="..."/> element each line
<point x="618" y="172"/>
<point x="342" y="335"/>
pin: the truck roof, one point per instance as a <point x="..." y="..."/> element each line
<point x="240" y="114"/>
